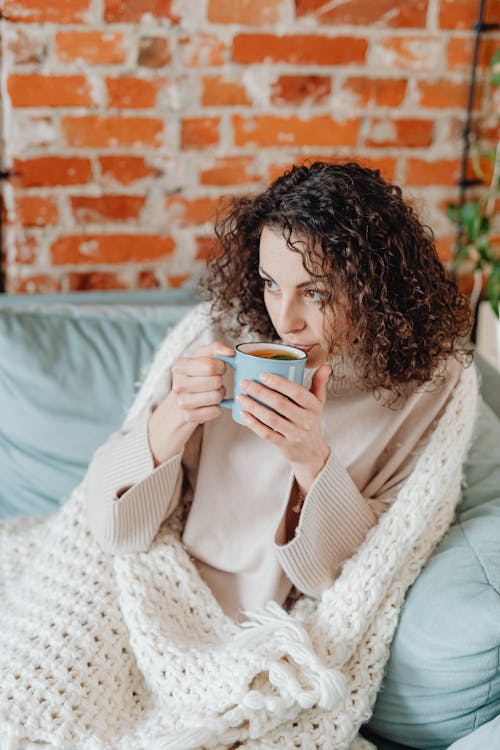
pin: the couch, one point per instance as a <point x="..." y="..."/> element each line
<point x="69" y="366"/>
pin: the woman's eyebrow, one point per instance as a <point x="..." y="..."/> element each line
<point x="270" y="278"/>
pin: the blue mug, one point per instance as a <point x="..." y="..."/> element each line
<point x="253" y="359"/>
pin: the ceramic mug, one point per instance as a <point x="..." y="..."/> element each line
<point x="253" y="359"/>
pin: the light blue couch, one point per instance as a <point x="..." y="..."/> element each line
<point x="69" y="366"/>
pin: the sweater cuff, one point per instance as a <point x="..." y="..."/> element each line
<point x="142" y="495"/>
<point x="335" y="519"/>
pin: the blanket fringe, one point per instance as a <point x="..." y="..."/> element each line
<point x="328" y="686"/>
<point x="191" y="739"/>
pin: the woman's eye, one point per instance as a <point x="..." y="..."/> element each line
<point x="270" y="285"/>
<point x="314" y="296"/>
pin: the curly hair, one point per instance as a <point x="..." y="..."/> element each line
<point x="377" y="261"/>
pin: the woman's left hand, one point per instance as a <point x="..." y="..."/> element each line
<point x="296" y="428"/>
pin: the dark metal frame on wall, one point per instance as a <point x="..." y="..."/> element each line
<point x="480" y="27"/>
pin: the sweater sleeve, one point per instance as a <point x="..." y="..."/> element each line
<point x="127" y="498"/>
<point x="334" y="520"/>
<point x="337" y="515"/>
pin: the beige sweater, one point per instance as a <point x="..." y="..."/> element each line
<point x="238" y="488"/>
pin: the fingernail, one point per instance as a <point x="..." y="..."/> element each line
<point x="244" y="384"/>
<point x="265" y="377"/>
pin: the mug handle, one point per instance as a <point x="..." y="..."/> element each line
<point x="227" y="403"/>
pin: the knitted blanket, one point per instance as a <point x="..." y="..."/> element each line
<point x="134" y="653"/>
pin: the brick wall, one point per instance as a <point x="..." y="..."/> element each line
<point x="127" y="120"/>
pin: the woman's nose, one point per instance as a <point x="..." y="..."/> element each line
<point x="290" y="318"/>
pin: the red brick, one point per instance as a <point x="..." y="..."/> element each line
<point x="445" y="247"/>
<point x="176" y="281"/>
<point x="444" y="93"/>
<point x="132" y="93"/>
<point x="425" y="173"/>
<point x="147" y="279"/>
<point x="35" y="284"/>
<point x="220" y="91"/>
<point x="191" y="211"/>
<point x="229" y="170"/>
<point x="92" y="131"/>
<point x="34" y="90"/>
<point x="83" y="282"/>
<point x="53" y="170"/>
<point x="104" y="208"/>
<point x="36" y="211"/>
<point x="268" y="130"/>
<point x="299" y="49"/>
<point x="300" y="89"/>
<point x="389" y="13"/>
<point x="462" y="14"/>
<point x="383" y="92"/>
<point x="131" y="11"/>
<point x="200" y="132"/>
<point x="153" y="52"/>
<point x="405" y="133"/>
<point x="27" y="47"/>
<point x="460" y="52"/>
<point x="110" y="248"/>
<point x="93" y="47"/>
<point x="245" y="12"/>
<point x="385" y="164"/>
<point x="48" y="11"/>
<point x="408" y="53"/>
<point x="203" y="50"/>
<point x="206" y="247"/>
<point x="124" y="169"/>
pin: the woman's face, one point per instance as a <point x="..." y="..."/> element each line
<point x="293" y="297"/>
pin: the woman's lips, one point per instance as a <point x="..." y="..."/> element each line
<point x="303" y="347"/>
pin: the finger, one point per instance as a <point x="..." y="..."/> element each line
<point x="217" y="347"/>
<point x="199" y="366"/>
<point x="320" y="382"/>
<point x="272" y="399"/>
<point x="189" y="401"/>
<point x="194" y="384"/>
<point x="272" y="420"/>
<point x="293" y="391"/>
<point x="261" y="430"/>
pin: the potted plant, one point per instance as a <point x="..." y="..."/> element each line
<point x="473" y="218"/>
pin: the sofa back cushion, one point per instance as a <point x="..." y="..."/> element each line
<point x="68" y="373"/>
<point x="443" y="676"/>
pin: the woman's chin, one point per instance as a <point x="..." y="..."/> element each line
<point x="316" y="358"/>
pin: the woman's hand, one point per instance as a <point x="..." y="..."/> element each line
<point x="296" y="428"/>
<point x="196" y="392"/>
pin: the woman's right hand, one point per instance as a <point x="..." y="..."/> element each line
<point x="196" y="392"/>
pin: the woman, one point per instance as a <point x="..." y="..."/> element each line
<point x="329" y="505"/>
<point x="329" y="259"/>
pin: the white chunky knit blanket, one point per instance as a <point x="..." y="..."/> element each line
<point x="134" y="653"/>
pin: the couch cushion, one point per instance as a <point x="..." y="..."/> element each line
<point x="68" y="373"/>
<point x="443" y="676"/>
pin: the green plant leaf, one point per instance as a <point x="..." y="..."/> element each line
<point x="484" y="248"/>
<point x="495" y="68"/>
<point x="452" y="212"/>
<point x="461" y="254"/>
<point x="470" y="219"/>
<point x="484" y="224"/>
